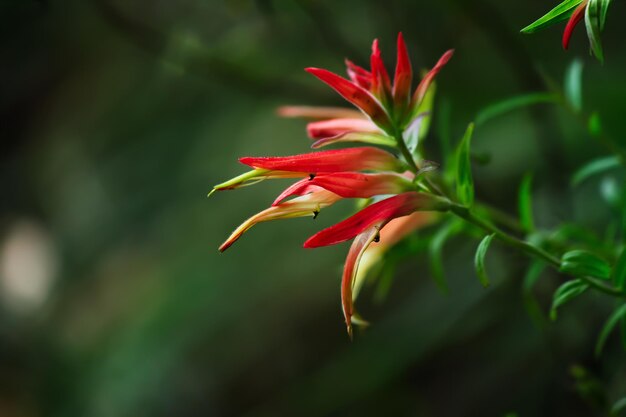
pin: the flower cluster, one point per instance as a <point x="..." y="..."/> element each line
<point x="389" y="117"/>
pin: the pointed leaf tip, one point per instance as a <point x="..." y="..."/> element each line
<point x="479" y="259"/>
<point x="557" y="14"/>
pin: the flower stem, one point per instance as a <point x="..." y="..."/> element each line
<point x="405" y="151"/>
<point x="467" y="215"/>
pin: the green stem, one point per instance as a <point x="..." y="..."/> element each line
<point x="501" y="217"/>
<point x="526" y="247"/>
<point x="466" y="214"/>
<point x="405" y="151"/>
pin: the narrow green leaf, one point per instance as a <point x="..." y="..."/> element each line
<point x="597" y="166"/>
<point x="592" y="23"/>
<point x="525" y="203"/>
<point x="513" y="103"/>
<point x="604" y="6"/>
<point x="479" y="259"/>
<point x="618" y="275"/>
<point x="531" y="277"/>
<point x="567" y="292"/>
<point x="573" y="85"/>
<point x="608" y="327"/>
<point x="465" y="182"/>
<point x="556" y="15"/>
<point x="583" y="263"/>
<point x="435" y="251"/>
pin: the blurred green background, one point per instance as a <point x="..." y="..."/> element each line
<point x="116" y="119"/>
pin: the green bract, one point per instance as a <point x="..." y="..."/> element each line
<point x="556" y="15"/>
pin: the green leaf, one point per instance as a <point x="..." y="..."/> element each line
<point x="573" y="85"/>
<point x="525" y="203"/>
<point x="465" y="182"/>
<point x="583" y="263"/>
<point x="435" y="251"/>
<point x="597" y="166"/>
<point x="618" y="275"/>
<point x="608" y="327"/>
<point x="514" y="103"/>
<point x="556" y="15"/>
<point x="567" y="292"/>
<point x="604" y="6"/>
<point x="531" y="277"/>
<point x="592" y="23"/>
<point x="479" y="259"/>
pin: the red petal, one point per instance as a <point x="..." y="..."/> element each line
<point x="334" y="127"/>
<point x="360" y="137"/>
<point x="355" y="95"/>
<point x="357" y="69"/>
<point x="359" y="75"/>
<point x="392" y="233"/>
<point x="358" y="185"/>
<point x="312" y="112"/>
<point x="381" y="85"/>
<point x="350" y="185"/>
<point x="421" y="89"/>
<point x="349" y="159"/>
<point x="577" y="16"/>
<point x="307" y="205"/>
<point x="385" y="210"/>
<point x="404" y="74"/>
<point x="350" y="268"/>
<point x="302" y="187"/>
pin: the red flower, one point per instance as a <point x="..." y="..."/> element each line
<point x="365" y="227"/>
<point x="389" y="114"/>
<point x="350" y="159"/>
<point x="351" y="185"/>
